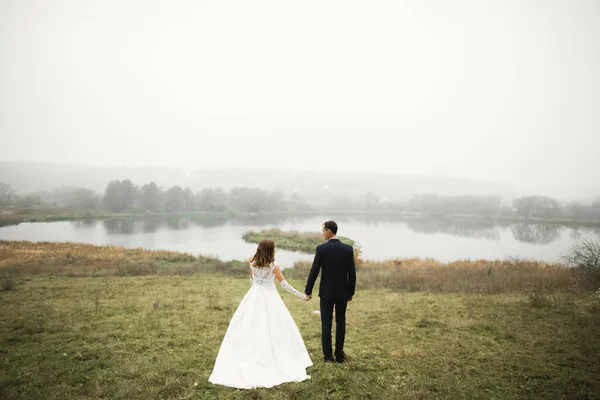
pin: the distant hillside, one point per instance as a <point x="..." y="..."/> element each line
<point x="318" y="183"/>
<point x="26" y="177"/>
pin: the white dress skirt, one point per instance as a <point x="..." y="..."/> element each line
<point x="262" y="346"/>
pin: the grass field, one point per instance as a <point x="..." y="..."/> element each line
<point x="111" y="323"/>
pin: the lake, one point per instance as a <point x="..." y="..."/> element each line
<point x="381" y="238"/>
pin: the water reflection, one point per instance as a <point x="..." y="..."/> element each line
<point x="369" y="219"/>
<point x="535" y="233"/>
<point x="124" y="226"/>
<point x="177" y="224"/>
<point x="478" y="229"/>
<point x="260" y="219"/>
<point x="85" y="223"/>
<point x="575" y="233"/>
<point x="491" y="230"/>
<point x="119" y="226"/>
<point x="209" y="222"/>
<point x="151" y="225"/>
<point x="378" y="234"/>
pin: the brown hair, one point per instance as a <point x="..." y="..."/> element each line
<point x="265" y="254"/>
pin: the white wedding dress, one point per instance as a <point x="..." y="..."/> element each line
<point x="262" y="346"/>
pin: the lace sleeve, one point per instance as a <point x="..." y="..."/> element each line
<point x="289" y="288"/>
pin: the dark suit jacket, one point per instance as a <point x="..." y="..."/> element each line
<point x="338" y="280"/>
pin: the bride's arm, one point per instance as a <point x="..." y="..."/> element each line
<point x="286" y="286"/>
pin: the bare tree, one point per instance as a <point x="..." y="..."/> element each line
<point x="584" y="254"/>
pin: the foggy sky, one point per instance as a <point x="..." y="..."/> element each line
<point x="504" y="90"/>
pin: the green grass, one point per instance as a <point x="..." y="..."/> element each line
<point x="75" y="324"/>
<point x="305" y="242"/>
<point x="157" y="337"/>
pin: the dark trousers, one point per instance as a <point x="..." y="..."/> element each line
<point x="327" y="306"/>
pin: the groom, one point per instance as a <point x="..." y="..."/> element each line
<point x="338" y="282"/>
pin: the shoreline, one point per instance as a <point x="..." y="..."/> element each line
<point x="7" y="219"/>
<point x="65" y="251"/>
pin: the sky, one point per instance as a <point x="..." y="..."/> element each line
<point x="504" y="90"/>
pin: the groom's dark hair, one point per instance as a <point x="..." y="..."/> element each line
<point x="331" y="225"/>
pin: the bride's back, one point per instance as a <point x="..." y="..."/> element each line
<point x="263" y="275"/>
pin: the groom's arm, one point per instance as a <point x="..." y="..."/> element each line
<point x="351" y="276"/>
<point x="314" y="272"/>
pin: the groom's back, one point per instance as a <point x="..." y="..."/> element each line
<point x="337" y="260"/>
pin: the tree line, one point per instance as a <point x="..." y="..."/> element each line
<point x="526" y="207"/>
<point x="472" y="205"/>
<point x="122" y="196"/>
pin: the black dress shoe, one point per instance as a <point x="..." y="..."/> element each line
<point x="327" y="359"/>
<point x="340" y="358"/>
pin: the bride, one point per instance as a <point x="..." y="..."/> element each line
<point x="262" y="346"/>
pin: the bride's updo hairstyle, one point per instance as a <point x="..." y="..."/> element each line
<point x="265" y="254"/>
